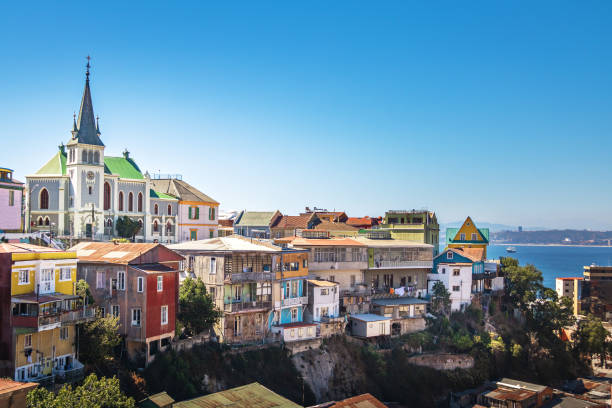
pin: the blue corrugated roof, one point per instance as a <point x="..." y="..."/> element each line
<point x="369" y="317"/>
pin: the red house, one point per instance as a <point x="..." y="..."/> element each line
<point x="139" y="283"/>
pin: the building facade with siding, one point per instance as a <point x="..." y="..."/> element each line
<point x="11" y="202"/>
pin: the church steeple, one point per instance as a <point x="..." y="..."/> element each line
<point x="87" y="129"/>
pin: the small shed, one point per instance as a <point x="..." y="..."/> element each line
<point x="370" y="325"/>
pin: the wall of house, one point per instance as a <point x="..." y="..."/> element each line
<point x="6" y="334"/>
<point x="46" y="343"/>
<point x="252" y="327"/>
<point x="341" y="276"/>
<point x="155" y="300"/>
<point x="10" y="215"/>
<point x="361" y="328"/>
<point x="416" y="278"/>
<point x="459" y="298"/>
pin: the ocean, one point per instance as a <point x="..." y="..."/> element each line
<point x="555" y="261"/>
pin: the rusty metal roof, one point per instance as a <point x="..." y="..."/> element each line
<point x="118" y="253"/>
<point x="252" y="395"/>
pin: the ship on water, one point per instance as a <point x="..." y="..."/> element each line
<point x="511" y="249"/>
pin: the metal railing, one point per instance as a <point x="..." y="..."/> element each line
<point x="401" y="264"/>
<point x="76" y="316"/>
<point x="296" y="301"/>
<point x="237" y="307"/>
<point x="249" y="276"/>
<point x="75" y="373"/>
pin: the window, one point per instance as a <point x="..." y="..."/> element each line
<point x="139" y="202"/>
<point x="40" y="221"/>
<point x="474" y="236"/>
<point x="324" y="312"/>
<point x="11" y="198"/>
<point x="96" y="157"/>
<point x="213" y="266"/>
<point x="46" y="279"/>
<point x="194" y="213"/>
<point x="211" y="213"/>
<point x="24" y="277"/>
<point x="84" y="156"/>
<point x="89" y="190"/>
<point x="155" y="209"/>
<point x="140" y="284"/>
<point x="211" y="233"/>
<point x="305" y="263"/>
<point x="443" y="271"/>
<point x="130" y="202"/>
<point x="353" y="278"/>
<point x="155" y="226"/>
<point x="90" y="157"/>
<point x="136" y="317"/>
<point x="449" y="255"/>
<point x="115" y="310"/>
<point x="324" y="292"/>
<point x="120" y="280"/>
<point x="160" y="283"/>
<point x="237" y="326"/>
<point x="169" y="209"/>
<point x="164" y="314"/>
<point x="294" y="314"/>
<point x="456" y="272"/>
<point x="63" y="333"/>
<point x="100" y="281"/>
<point x="332" y="278"/>
<point x="27" y="341"/>
<point x="65" y="274"/>
<point x="193" y="235"/>
<point x="47" y="221"/>
<point x="168" y="228"/>
<point x="44" y="199"/>
<point x="237" y="292"/>
<point x="456" y="288"/>
<point x="107" y="196"/>
<point x="294" y="288"/>
<point x="102" y="311"/>
<point x="462" y="237"/>
<point x="121" y="201"/>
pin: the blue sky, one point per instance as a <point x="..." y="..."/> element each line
<point x="498" y="110"/>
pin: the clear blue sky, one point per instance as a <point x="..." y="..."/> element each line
<point x="500" y="110"/>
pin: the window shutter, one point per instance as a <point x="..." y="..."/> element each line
<point x="197" y="215"/>
<point x="189" y="212"/>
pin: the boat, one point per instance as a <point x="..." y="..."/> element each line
<point x="511" y="250"/>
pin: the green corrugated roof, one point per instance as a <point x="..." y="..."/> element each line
<point x="161" y="399"/>
<point x="251" y="395"/>
<point x="157" y="194"/>
<point x="125" y="168"/>
<point x="451" y="232"/>
<point x="55" y="166"/>
<point x="256" y="218"/>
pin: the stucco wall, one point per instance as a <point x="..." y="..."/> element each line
<point x="10" y="216"/>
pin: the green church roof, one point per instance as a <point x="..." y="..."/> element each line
<point x="56" y="166"/>
<point x="124" y="168"/>
<point x="157" y="194"/>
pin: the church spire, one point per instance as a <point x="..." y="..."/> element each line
<point x="87" y="130"/>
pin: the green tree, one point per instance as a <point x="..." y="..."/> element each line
<point x="94" y="393"/>
<point x="524" y="284"/>
<point x="127" y="227"/>
<point x="82" y="291"/>
<point x="197" y="311"/>
<point x="99" y="338"/>
<point x="592" y="338"/>
<point x="440" y="299"/>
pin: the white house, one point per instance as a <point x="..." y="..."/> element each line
<point x="370" y="325"/>
<point x="457" y="279"/>
<point x="323" y="300"/>
<point x="295" y="331"/>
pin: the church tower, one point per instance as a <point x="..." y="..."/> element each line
<point x="85" y="167"/>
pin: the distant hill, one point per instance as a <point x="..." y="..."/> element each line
<point x="562" y="237"/>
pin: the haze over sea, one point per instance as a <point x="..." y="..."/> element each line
<point x="556" y="261"/>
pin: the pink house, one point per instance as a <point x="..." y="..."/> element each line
<point x="11" y="197"/>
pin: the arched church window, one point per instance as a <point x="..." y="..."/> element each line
<point x="97" y="157"/>
<point x="121" y="201"/>
<point x="84" y="156"/>
<point x="139" y="202"/>
<point x="44" y="199"/>
<point x="130" y="201"/>
<point x="47" y="221"/>
<point x="90" y="156"/>
<point x="155" y="209"/>
<point x="107" y="196"/>
<point x="40" y="221"/>
<point x="89" y="190"/>
<point x="169" y="209"/>
<point x="155" y="226"/>
<point x="168" y="228"/>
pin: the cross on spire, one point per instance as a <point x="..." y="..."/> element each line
<point x="88" y="66"/>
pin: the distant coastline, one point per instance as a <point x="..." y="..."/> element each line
<point x="550" y="245"/>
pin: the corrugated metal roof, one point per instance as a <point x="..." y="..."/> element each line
<point x="369" y="317"/>
<point x="323" y="283"/>
<point x="391" y="243"/>
<point x="252" y="395"/>
<point x="256" y="218"/>
<point x="124" y="168"/>
<point x="56" y="166"/>
<point x="157" y="194"/>
<point x="181" y="189"/>
<point x="360" y="401"/>
<point x="110" y="252"/>
<point x="230" y="243"/>
<point x="341" y="242"/>
<point x="18" y="247"/>
<point x="407" y="300"/>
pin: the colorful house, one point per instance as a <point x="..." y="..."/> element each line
<point x="411" y="225"/>
<point x="138" y="283"/>
<point x="39" y="311"/>
<point x="293" y="225"/>
<point x="11" y="200"/>
<point x="468" y="236"/>
<point x="256" y="224"/>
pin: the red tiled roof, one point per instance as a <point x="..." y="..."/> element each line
<point x="294" y="221"/>
<point x="474" y="254"/>
<point x="334" y="226"/>
<point x="226" y="223"/>
<point x="363" y="221"/>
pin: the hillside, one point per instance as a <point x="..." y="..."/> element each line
<point x="560" y="237"/>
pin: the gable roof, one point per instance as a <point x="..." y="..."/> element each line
<point x="229" y="243"/>
<point x="256" y="218"/>
<point x="363" y="221"/>
<point x="252" y="395"/>
<point x="469" y="254"/>
<point x="123" y="167"/>
<point x="359" y="401"/>
<point x="322" y="283"/>
<point x="334" y="226"/>
<point x="56" y="166"/>
<point x="181" y="189"/>
<point x="451" y="233"/>
<point x="121" y="253"/>
<point x="163" y="196"/>
<point x="294" y="221"/>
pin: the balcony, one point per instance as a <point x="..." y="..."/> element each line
<point x="296" y="301"/>
<point x="70" y="374"/>
<point x="249" y="277"/>
<point x="77" y="316"/>
<point x="246" y="306"/>
<point x="402" y="265"/>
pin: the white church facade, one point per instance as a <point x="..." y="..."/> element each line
<point x="81" y="193"/>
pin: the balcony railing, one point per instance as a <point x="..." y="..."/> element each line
<point x="238" y="307"/>
<point x="401" y="264"/>
<point x="249" y="277"/>
<point x="77" y="316"/>
<point x="296" y="301"/>
<point x="75" y="373"/>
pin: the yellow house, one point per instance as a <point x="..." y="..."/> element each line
<point x="43" y="309"/>
<point x="468" y="236"/>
